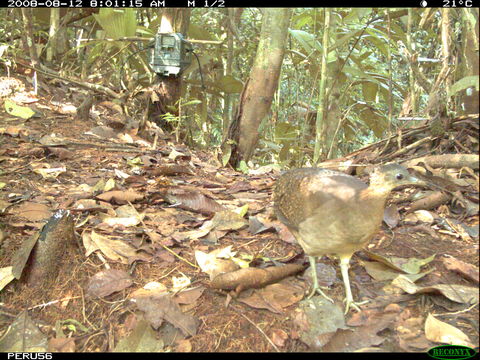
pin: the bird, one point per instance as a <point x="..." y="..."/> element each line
<point x="330" y="212"/>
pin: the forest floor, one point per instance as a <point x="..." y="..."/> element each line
<point x="158" y="203"/>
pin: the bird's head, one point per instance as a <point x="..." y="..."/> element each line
<point x="391" y="176"/>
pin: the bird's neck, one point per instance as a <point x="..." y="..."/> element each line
<point x="375" y="197"/>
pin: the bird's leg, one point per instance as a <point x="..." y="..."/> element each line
<point x="344" y="264"/>
<point x="315" y="287"/>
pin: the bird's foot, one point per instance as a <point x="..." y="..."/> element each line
<point x="318" y="289"/>
<point x="354" y="305"/>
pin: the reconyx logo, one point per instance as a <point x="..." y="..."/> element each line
<point x="456" y="352"/>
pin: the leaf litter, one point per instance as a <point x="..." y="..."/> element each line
<point x="173" y="204"/>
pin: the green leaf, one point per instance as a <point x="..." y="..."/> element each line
<point x="23" y="335"/>
<point x="306" y="40"/>
<point x="341" y="41"/>
<point x="352" y="16"/>
<point x="284" y="153"/>
<point x="286" y="132"/>
<point x="369" y="91"/>
<point x="229" y="85"/>
<point x="358" y="73"/>
<point x="355" y="14"/>
<point x="303" y="19"/>
<point x="406" y="265"/>
<point x="192" y="102"/>
<point x="17" y="110"/>
<point x="199" y="33"/>
<point x="365" y="55"/>
<point x="375" y="122"/>
<point x="243" y="167"/>
<point x="379" y="44"/>
<point x="242" y="211"/>
<point x="465" y="83"/>
<point x="117" y="22"/>
<point x="42" y="16"/>
<point x="381" y="272"/>
<point x="270" y="145"/>
<point x="349" y="131"/>
<point x="204" y="59"/>
<point x="147" y="32"/>
<point x="227" y="153"/>
<point x="398" y="32"/>
<point x="73" y="324"/>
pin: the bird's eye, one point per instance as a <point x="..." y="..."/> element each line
<point x="399" y="176"/>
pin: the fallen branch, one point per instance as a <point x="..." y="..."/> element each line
<point x="409" y="147"/>
<point x="94" y="87"/>
<point x="431" y="201"/>
<point x="408" y="133"/>
<point x="253" y="278"/>
<point x="456" y="161"/>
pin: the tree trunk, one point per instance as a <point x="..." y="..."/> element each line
<point x="29" y="42"/>
<point x="257" y="94"/>
<point x="468" y="61"/>
<point x="168" y="89"/>
<point x="52" y="34"/>
<point x="178" y="21"/>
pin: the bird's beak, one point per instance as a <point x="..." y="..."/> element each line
<point x="415" y="180"/>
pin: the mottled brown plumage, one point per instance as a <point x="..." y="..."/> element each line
<point x="330" y="212"/>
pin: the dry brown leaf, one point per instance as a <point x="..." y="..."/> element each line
<point x="61" y="345"/>
<point x="183" y="345"/>
<point x="120" y="197"/>
<point x="420" y="216"/>
<point x="174" y="154"/>
<point x="279" y="337"/>
<point x="410" y="333"/>
<point x="257" y="225"/>
<point x="382" y="272"/>
<point x="391" y="216"/>
<point x="458" y="293"/>
<point x="15" y="131"/>
<point x="441" y="332"/>
<point x="192" y="200"/>
<point x="249" y="196"/>
<point x="216" y="262"/>
<point x="89" y="245"/>
<point x="159" y="306"/>
<point x="189" y="296"/>
<point x="62" y="154"/>
<point x="113" y="249"/>
<point x="32" y="211"/>
<point x="228" y="220"/>
<point x="274" y="297"/>
<point x="317" y="321"/>
<point x="363" y="336"/>
<point x="103" y="132"/>
<point x="107" y="282"/>
<point x="284" y="233"/>
<point x="171" y="169"/>
<point x="467" y="270"/>
<point x="202" y="231"/>
<point x="6" y="276"/>
<point x="239" y="186"/>
<point x="406" y="265"/>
